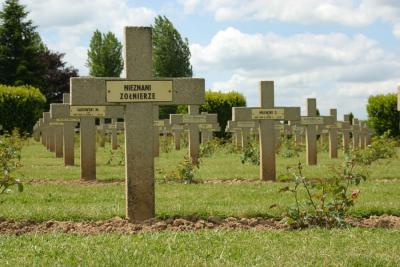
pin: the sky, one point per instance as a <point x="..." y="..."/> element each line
<point x="338" y="51"/>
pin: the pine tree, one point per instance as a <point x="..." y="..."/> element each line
<point x="105" y="55"/>
<point x="20" y="47"/>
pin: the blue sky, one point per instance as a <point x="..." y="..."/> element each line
<point x="339" y="51"/>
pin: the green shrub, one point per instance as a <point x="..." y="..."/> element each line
<point x="381" y="147"/>
<point x="184" y="173"/>
<point x="323" y="201"/>
<point x="20" y="107"/>
<point x="222" y="103"/>
<point x="288" y="148"/>
<point x="208" y="148"/>
<point x="10" y="161"/>
<point x="251" y="154"/>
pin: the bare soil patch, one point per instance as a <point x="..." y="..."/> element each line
<point x="122" y="226"/>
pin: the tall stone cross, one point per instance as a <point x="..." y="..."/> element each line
<point x="333" y="134"/>
<point x="356" y="133"/>
<point x="267" y="114"/>
<point x="137" y="94"/>
<point x="311" y="121"/>
<point x="345" y="130"/>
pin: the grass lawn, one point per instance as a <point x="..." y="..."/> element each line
<point x="354" y="247"/>
<point x="70" y="200"/>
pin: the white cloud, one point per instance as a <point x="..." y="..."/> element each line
<point x="342" y="71"/>
<point x="67" y="25"/>
<point x="344" y="12"/>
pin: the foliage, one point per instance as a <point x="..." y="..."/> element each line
<point x="251" y="154"/>
<point x="327" y="200"/>
<point x="20" y="107"/>
<point x="208" y="148"/>
<point x="166" y="144"/>
<point x="222" y="103"/>
<point x="288" y="148"/>
<point x="381" y="147"/>
<point x="184" y="173"/>
<point x="10" y="161"/>
<point x="56" y="75"/>
<point x="117" y="156"/>
<point x="20" y="47"/>
<point x="171" y="55"/>
<point x="383" y="114"/>
<point x="105" y="55"/>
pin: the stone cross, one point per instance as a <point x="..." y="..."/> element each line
<point x="193" y="120"/>
<point x="266" y="115"/>
<point x="50" y="140"/>
<point x="60" y="113"/>
<point x="333" y="135"/>
<point x="137" y="94"/>
<point x="311" y="121"/>
<point x="345" y="129"/>
<point x="176" y="130"/>
<point x="356" y="132"/>
<point x="87" y="115"/>
<point x="364" y="132"/>
<point x="243" y="128"/>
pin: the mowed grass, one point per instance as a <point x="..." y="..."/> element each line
<point x="353" y="247"/>
<point x="73" y="201"/>
<point x="94" y="202"/>
<point x="42" y="164"/>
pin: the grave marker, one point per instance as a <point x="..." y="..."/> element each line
<point x="266" y="114"/>
<point x="356" y="131"/>
<point x="139" y="115"/>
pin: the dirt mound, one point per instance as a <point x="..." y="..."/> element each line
<point x="74" y="182"/>
<point x="384" y="221"/>
<point x="122" y="226"/>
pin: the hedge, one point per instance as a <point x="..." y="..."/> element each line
<point x="222" y="103"/>
<point x="20" y="107"/>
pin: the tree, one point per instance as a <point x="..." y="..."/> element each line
<point x="383" y="114"/>
<point x="105" y="55"/>
<point x="171" y="55"/>
<point x="20" y="47"/>
<point x="222" y="104"/>
<point x="56" y="75"/>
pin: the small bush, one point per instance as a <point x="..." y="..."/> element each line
<point x="323" y="202"/>
<point x="184" y="173"/>
<point x="208" y="148"/>
<point x="289" y="149"/>
<point x="10" y="161"/>
<point x="251" y="154"/>
<point x="381" y="147"/>
<point x="117" y="156"/>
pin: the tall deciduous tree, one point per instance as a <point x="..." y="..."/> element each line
<point x="105" y="55"/>
<point x="56" y="75"/>
<point x="383" y="114"/>
<point x="171" y="55"/>
<point x="20" y="47"/>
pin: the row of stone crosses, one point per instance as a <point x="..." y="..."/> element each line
<point x="136" y="99"/>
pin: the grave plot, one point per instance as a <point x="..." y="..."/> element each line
<point x="266" y="116"/>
